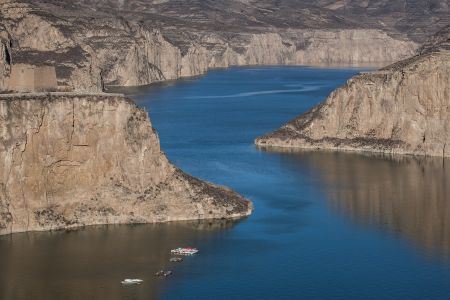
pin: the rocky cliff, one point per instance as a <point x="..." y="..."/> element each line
<point x="71" y="160"/>
<point x="403" y="108"/>
<point x="138" y="42"/>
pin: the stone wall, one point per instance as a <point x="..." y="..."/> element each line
<point x="27" y="78"/>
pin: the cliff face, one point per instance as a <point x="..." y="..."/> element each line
<point x="96" y="44"/>
<point x="71" y="160"/>
<point x="403" y="108"/>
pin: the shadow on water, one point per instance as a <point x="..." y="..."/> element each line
<point x="90" y="263"/>
<point x="405" y="195"/>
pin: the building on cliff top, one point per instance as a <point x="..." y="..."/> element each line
<point x="27" y="78"/>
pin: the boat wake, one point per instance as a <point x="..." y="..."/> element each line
<point x="249" y="94"/>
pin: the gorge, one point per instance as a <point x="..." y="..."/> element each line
<point x="325" y="225"/>
<point x="127" y="129"/>
<point x="75" y="50"/>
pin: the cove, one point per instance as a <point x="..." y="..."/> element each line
<point x="326" y="225"/>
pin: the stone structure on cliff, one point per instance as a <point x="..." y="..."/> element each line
<point x="93" y="44"/>
<point x="403" y="108"/>
<point x="71" y="160"/>
<point x="27" y="78"/>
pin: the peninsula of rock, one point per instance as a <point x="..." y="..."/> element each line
<point x="71" y="159"/>
<point x="403" y="108"/>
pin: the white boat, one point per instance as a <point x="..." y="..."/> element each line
<point x="184" y="251"/>
<point x="132" y="281"/>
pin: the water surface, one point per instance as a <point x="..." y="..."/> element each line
<point x="325" y="226"/>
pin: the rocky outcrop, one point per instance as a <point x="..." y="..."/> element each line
<point x="72" y="160"/>
<point x="150" y="42"/>
<point x="403" y="108"/>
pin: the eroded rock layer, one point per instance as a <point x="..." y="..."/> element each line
<point x="136" y="42"/>
<point x="71" y="160"/>
<point x="403" y="108"/>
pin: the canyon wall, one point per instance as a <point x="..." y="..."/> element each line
<point x="403" y="108"/>
<point x="90" y="52"/>
<point x="71" y="160"/>
<point x="314" y="47"/>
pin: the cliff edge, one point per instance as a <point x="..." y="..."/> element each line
<point x="403" y="108"/>
<point x="71" y="160"/>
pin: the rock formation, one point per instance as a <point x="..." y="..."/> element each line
<point x="403" y="108"/>
<point x="71" y="160"/>
<point x="137" y="42"/>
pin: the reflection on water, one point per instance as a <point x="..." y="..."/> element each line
<point x="90" y="263"/>
<point x="406" y="195"/>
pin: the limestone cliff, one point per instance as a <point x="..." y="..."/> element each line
<point x="71" y="160"/>
<point x="403" y="108"/>
<point x="96" y="44"/>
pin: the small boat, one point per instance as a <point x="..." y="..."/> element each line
<point x="175" y="259"/>
<point x="132" y="281"/>
<point x="163" y="273"/>
<point x="184" y="251"/>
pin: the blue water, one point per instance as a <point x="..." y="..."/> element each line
<point x="306" y="239"/>
<point x="325" y="226"/>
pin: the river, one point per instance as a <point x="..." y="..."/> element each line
<point x="326" y="225"/>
